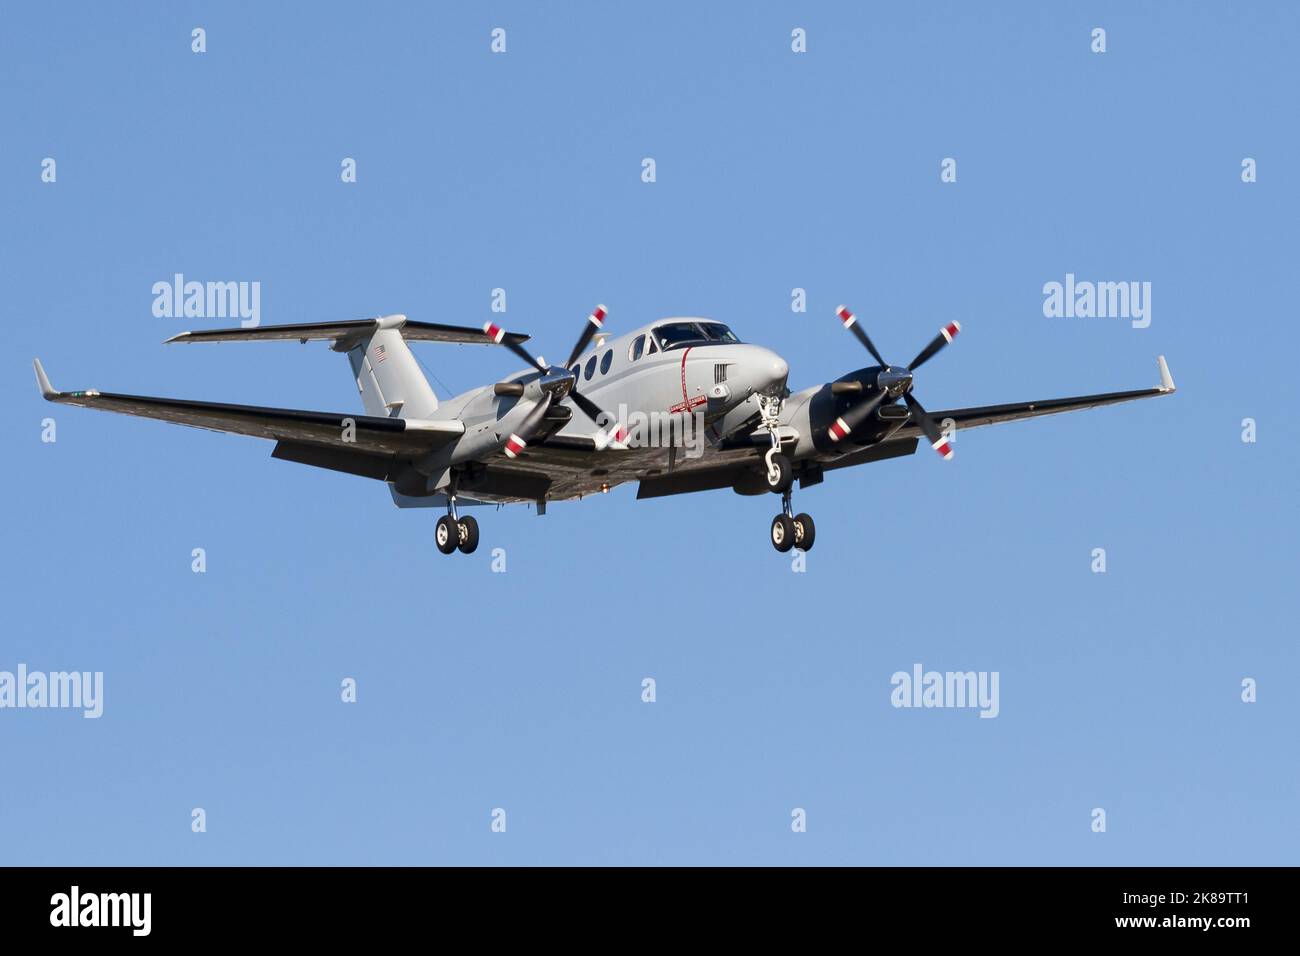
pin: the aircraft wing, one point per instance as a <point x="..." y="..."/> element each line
<point x="1015" y="411"/>
<point x="373" y="435"/>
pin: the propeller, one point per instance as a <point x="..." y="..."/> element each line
<point x="558" y="378"/>
<point x="891" y="382"/>
<point x="517" y="442"/>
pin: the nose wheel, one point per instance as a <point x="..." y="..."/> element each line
<point x="791" y="530"/>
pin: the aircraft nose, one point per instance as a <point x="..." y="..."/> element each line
<point x="771" y="371"/>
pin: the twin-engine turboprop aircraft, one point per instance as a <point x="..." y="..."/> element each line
<point x="546" y="434"/>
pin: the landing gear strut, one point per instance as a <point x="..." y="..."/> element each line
<point x="780" y="473"/>
<point x="789" y="530"/>
<point x="454" y="532"/>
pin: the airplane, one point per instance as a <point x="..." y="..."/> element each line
<point x="544" y="434"/>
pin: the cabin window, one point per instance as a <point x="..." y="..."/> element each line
<point x="591" y="368"/>
<point x="605" y="361"/>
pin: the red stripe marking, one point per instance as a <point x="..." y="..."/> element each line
<point x="685" y="397"/>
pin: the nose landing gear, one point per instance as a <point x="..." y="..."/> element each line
<point x="454" y="532"/>
<point x="780" y="473"/>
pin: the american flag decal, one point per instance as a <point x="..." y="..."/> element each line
<point x="380" y="354"/>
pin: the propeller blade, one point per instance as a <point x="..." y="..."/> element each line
<point x="616" y="434"/>
<point x="946" y="335"/>
<point x="498" y="335"/>
<point x="595" y="322"/>
<point x="518" y="439"/>
<point x="932" y="432"/>
<point x="843" y="426"/>
<point x="851" y="323"/>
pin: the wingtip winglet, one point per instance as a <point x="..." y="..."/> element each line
<point x="1166" y="380"/>
<point x="47" y="390"/>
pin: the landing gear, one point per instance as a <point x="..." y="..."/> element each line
<point x="792" y="530"/>
<point x="446" y="535"/>
<point x="789" y="530"/>
<point x="454" y="532"/>
<point x="805" y="532"/>
<point x="783" y="533"/>
<point x="468" y="527"/>
<point x="780" y="473"/>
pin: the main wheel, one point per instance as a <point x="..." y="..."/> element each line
<point x="783" y="533"/>
<point x="468" y="535"/>
<point x="805" y="532"/>
<point x="446" y="535"/>
<point x="781" y="475"/>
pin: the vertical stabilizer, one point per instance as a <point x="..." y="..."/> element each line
<point x="388" y="377"/>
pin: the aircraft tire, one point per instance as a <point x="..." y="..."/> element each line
<point x="468" y="537"/>
<point x="446" y="535"/>
<point x="783" y="533"/>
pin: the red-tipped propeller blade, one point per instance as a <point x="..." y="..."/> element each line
<point x="844" y="426"/>
<point x="932" y="431"/>
<point x="946" y="335"/>
<point x="595" y="322"/>
<point x="617" y="433"/>
<point x="851" y="323"/>
<point x="518" y="439"/>
<point x="498" y="335"/>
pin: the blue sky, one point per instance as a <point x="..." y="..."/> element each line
<point x="522" y="690"/>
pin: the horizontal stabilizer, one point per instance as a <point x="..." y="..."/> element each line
<point x="354" y="329"/>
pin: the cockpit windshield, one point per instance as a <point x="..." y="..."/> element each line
<point x="717" y="332"/>
<point x="674" y="335"/>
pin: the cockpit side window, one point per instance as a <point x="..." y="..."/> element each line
<point x="638" y="346"/>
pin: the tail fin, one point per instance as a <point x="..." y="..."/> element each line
<point x="388" y="377"/>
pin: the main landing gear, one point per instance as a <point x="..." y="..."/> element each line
<point x="792" y="530"/>
<point x="789" y="530"/>
<point x="454" y="532"/>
